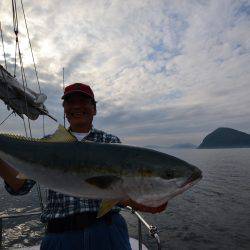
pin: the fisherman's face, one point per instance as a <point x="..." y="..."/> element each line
<point x="79" y="110"/>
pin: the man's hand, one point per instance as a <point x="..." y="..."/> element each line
<point x="9" y="174"/>
<point x="143" y="208"/>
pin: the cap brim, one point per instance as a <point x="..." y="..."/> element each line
<point x="76" y="91"/>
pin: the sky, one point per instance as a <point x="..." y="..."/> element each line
<point x="163" y="72"/>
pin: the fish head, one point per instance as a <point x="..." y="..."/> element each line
<point x="164" y="182"/>
<point x="182" y="172"/>
<point x="169" y="168"/>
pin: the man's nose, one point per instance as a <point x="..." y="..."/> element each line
<point x="76" y="104"/>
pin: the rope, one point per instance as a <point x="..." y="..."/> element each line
<point x="3" y="46"/>
<point x="15" y="17"/>
<point x="23" y="81"/>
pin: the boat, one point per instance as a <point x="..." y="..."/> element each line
<point x="135" y="244"/>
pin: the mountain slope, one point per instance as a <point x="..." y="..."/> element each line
<point x="226" y="138"/>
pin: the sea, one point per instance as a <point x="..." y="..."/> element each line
<point x="213" y="214"/>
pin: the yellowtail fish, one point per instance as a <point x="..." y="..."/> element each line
<point x="111" y="172"/>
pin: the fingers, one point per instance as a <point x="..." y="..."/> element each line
<point x="153" y="210"/>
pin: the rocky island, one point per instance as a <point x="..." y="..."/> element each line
<point x="226" y="138"/>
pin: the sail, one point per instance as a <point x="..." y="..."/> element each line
<point x="22" y="100"/>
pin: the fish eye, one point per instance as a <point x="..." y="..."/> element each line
<point x="168" y="174"/>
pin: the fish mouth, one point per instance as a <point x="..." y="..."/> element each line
<point x="195" y="176"/>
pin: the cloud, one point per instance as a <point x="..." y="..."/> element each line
<point x="163" y="72"/>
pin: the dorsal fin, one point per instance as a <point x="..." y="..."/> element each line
<point x="19" y="137"/>
<point x="60" y="135"/>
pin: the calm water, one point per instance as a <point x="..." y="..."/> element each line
<point x="214" y="214"/>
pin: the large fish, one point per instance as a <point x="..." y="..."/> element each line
<point x="112" y="172"/>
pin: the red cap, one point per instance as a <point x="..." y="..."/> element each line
<point x="78" y="87"/>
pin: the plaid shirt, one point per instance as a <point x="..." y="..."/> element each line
<point x="60" y="205"/>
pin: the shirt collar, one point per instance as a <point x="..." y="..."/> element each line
<point x="90" y="131"/>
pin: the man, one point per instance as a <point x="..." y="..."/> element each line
<point x="71" y="222"/>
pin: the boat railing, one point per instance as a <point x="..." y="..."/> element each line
<point x="153" y="231"/>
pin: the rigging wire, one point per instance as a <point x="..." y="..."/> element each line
<point x="15" y="29"/>
<point x="3" y="46"/>
<point x="32" y="54"/>
<point x="18" y="52"/>
<point x="6" y="118"/>
<point x="27" y="30"/>
<point x="24" y="80"/>
<point x="25" y="129"/>
<point x="15" y="62"/>
<point x="43" y="125"/>
<point x="64" y="116"/>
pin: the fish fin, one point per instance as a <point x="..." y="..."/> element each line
<point x="103" y="181"/>
<point x="60" y="135"/>
<point x="106" y="206"/>
<point x="21" y="176"/>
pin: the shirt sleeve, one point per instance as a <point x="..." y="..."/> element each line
<point x="28" y="184"/>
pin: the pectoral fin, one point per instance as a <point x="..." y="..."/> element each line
<point x="106" y="206"/>
<point x="21" y="176"/>
<point x="103" y="181"/>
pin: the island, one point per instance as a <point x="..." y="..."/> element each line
<point x="183" y="146"/>
<point x="175" y="146"/>
<point x="226" y="138"/>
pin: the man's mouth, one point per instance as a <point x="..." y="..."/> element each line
<point x="77" y="114"/>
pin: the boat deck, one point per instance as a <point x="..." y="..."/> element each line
<point x="133" y="242"/>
